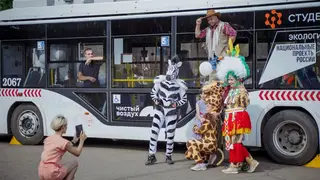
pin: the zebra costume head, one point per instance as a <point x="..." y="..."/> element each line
<point x="173" y="68"/>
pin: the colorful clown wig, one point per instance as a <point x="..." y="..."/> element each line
<point x="233" y="64"/>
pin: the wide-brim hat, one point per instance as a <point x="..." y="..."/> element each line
<point x="212" y="12"/>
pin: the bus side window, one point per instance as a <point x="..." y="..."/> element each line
<point x="300" y="74"/>
<point x="22" y="65"/>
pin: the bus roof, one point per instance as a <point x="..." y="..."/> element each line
<point x="133" y="9"/>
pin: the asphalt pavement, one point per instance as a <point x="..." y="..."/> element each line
<point x="123" y="160"/>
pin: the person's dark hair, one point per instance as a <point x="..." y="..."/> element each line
<point x="87" y="49"/>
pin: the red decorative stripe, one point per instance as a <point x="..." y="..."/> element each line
<point x="25" y="93"/>
<point x="291" y="95"/>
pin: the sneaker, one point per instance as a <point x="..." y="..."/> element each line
<point x="230" y="170"/>
<point x="169" y="160"/>
<point x="151" y="160"/>
<point x="253" y="165"/>
<point x="199" y="167"/>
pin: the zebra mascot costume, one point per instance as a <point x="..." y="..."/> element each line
<point x="168" y="93"/>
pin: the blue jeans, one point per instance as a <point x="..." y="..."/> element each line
<point x="213" y="62"/>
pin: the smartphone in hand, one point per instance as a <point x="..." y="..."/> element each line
<point x="79" y="128"/>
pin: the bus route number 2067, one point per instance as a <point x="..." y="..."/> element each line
<point x="11" y="82"/>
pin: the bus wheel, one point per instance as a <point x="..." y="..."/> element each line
<point x="26" y="124"/>
<point x="291" y="137"/>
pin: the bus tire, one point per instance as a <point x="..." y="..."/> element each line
<point x="27" y="124"/>
<point x="291" y="137"/>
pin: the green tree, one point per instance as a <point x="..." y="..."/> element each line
<point x="5" y="4"/>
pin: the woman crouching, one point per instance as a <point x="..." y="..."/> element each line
<point x="50" y="167"/>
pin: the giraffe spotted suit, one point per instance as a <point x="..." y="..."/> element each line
<point x="198" y="150"/>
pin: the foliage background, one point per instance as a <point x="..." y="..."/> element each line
<point x="5" y="4"/>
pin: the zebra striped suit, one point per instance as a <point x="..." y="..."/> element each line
<point x="166" y="93"/>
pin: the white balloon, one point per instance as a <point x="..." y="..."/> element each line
<point x="205" y="68"/>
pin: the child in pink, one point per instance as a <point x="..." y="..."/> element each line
<point x="55" y="146"/>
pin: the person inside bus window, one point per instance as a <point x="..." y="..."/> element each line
<point x="288" y="79"/>
<point x="70" y="81"/>
<point x="55" y="146"/>
<point x="89" y="71"/>
<point x="217" y="35"/>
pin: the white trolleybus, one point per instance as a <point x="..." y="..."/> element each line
<point x="42" y="48"/>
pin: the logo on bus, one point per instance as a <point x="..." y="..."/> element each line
<point x="273" y="19"/>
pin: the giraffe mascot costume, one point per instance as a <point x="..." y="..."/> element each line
<point x="207" y="146"/>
